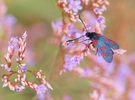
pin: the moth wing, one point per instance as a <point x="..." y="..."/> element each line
<point x="105" y="50"/>
<point x="113" y="44"/>
<point x="110" y="42"/>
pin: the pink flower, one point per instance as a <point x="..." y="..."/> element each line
<point x="101" y="19"/>
<point x="75" y="5"/>
<point x="41" y="89"/>
<point x="120" y="51"/>
<point x="71" y="62"/>
<point x="72" y="31"/>
<point x="13" y="42"/>
<point x="98" y="11"/>
<point x="96" y="96"/>
<point x="24" y="35"/>
<point x="70" y="28"/>
<point x="57" y="27"/>
<point x="23" y="67"/>
<point x="19" y="88"/>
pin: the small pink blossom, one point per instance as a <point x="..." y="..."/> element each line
<point x="24" y="35"/>
<point x="72" y="31"/>
<point x="101" y="19"/>
<point x="57" y="27"/>
<point x="41" y="89"/>
<point x="96" y="96"/>
<point x="19" y="88"/>
<point x="98" y="11"/>
<point x="102" y="97"/>
<point x="75" y="5"/>
<point x="120" y="51"/>
<point x="23" y="67"/>
<point x="13" y="42"/>
<point x="71" y="62"/>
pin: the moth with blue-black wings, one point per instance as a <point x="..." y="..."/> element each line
<point x="103" y="45"/>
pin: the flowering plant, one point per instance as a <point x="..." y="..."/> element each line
<point x="18" y="46"/>
<point x="106" y="85"/>
<point x="97" y="79"/>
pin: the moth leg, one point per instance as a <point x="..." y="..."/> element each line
<point x="96" y="49"/>
<point x="88" y="45"/>
<point x="93" y="47"/>
<point x="91" y="42"/>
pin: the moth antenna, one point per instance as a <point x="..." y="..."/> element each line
<point x="84" y="40"/>
<point x="75" y="39"/>
<point x="80" y="36"/>
<point x="83" y="23"/>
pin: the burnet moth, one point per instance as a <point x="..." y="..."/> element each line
<point x="102" y="44"/>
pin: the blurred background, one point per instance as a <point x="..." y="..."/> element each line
<point x="36" y="17"/>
